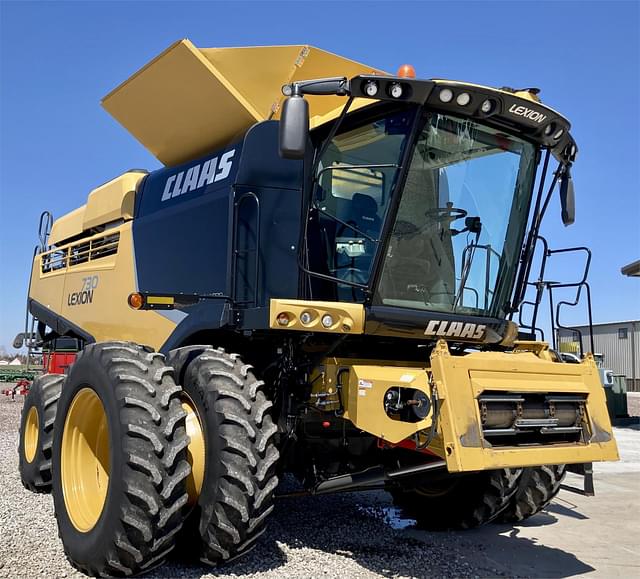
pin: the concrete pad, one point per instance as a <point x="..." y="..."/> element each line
<point x="577" y="535"/>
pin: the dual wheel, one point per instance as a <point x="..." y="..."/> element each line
<point x="470" y="500"/>
<point x="139" y="463"/>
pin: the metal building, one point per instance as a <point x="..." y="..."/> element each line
<point x="618" y="342"/>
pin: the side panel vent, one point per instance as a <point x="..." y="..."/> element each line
<point x="80" y="252"/>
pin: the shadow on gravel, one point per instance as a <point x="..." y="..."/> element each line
<point x="366" y="529"/>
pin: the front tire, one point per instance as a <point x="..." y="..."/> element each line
<point x="460" y="501"/>
<point x="36" y="432"/>
<point x="119" y="460"/>
<point x="240" y="455"/>
<point x="536" y="489"/>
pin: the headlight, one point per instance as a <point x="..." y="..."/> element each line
<point x="327" y="321"/>
<point x="395" y="90"/>
<point x="283" y="319"/>
<point x="487" y="106"/>
<point x="371" y="88"/>
<point x="464" y="98"/>
<point x="446" y="95"/>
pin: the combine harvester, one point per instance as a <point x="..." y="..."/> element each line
<point x="321" y="283"/>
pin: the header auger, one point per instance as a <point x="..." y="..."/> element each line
<point x="320" y="281"/>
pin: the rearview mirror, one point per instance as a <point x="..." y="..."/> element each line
<point x="18" y="341"/>
<point x="23" y="339"/>
<point x="567" y="198"/>
<point x="294" y="127"/>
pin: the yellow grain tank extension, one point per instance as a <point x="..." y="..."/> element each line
<point x="188" y="101"/>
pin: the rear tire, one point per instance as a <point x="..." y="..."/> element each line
<point x="36" y="432"/>
<point x="120" y="414"/>
<point x="460" y="501"/>
<point x="536" y="489"/>
<point x="240" y="453"/>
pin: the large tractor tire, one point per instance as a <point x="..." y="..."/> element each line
<point x="461" y="501"/>
<point x="36" y="432"/>
<point x="119" y="460"/>
<point x="234" y="466"/>
<point x="536" y="489"/>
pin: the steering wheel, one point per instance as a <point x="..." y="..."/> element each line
<point x="352" y="274"/>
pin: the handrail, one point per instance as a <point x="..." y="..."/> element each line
<point x="237" y="204"/>
<point x="555" y="308"/>
<point x="44" y="229"/>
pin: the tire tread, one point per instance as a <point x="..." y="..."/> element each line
<point x="536" y="489"/>
<point x="44" y="393"/>
<point x="230" y="525"/>
<point x="154" y="469"/>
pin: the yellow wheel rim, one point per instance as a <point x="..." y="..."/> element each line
<point x="85" y="460"/>
<point x="195" y="451"/>
<point x="31" y="434"/>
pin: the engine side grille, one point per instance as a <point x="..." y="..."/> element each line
<point x="80" y="252"/>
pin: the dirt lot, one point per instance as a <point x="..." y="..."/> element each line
<point x="363" y="536"/>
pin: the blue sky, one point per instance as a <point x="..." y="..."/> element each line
<point x="57" y="59"/>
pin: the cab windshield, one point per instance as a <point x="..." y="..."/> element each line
<point x="456" y="235"/>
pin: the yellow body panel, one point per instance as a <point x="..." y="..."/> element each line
<point x="108" y="203"/>
<point x="459" y="381"/>
<point x="107" y="315"/>
<point x="189" y="101"/>
<point x="365" y="405"/>
<point x="67" y="226"/>
<point x="348" y="318"/>
<point x="112" y="201"/>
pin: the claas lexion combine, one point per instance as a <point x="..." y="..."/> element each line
<point x="322" y="281"/>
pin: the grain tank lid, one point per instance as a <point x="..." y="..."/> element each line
<point x="111" y="202"/>
<point x="189" y="101"/>
<point x="67" y="227"/>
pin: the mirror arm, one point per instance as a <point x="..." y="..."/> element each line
<point x="294" y="119"/>
<point x="338" y="85"/>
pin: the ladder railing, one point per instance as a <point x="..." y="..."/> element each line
<point x="543" y="285"/>
<point x="44" y="230"/>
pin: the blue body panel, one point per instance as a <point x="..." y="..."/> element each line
<point x="182" y="226"/>
<point x="226" y="228"/>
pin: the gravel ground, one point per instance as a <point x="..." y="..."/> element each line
<point x="357" y="535"/>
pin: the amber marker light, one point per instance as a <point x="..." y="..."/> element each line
<point x="135" y="300"/>
<point x="283" y="319"/>
<point x="406" y="71"/>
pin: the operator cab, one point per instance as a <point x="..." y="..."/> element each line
<point x="454" y="224"/>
